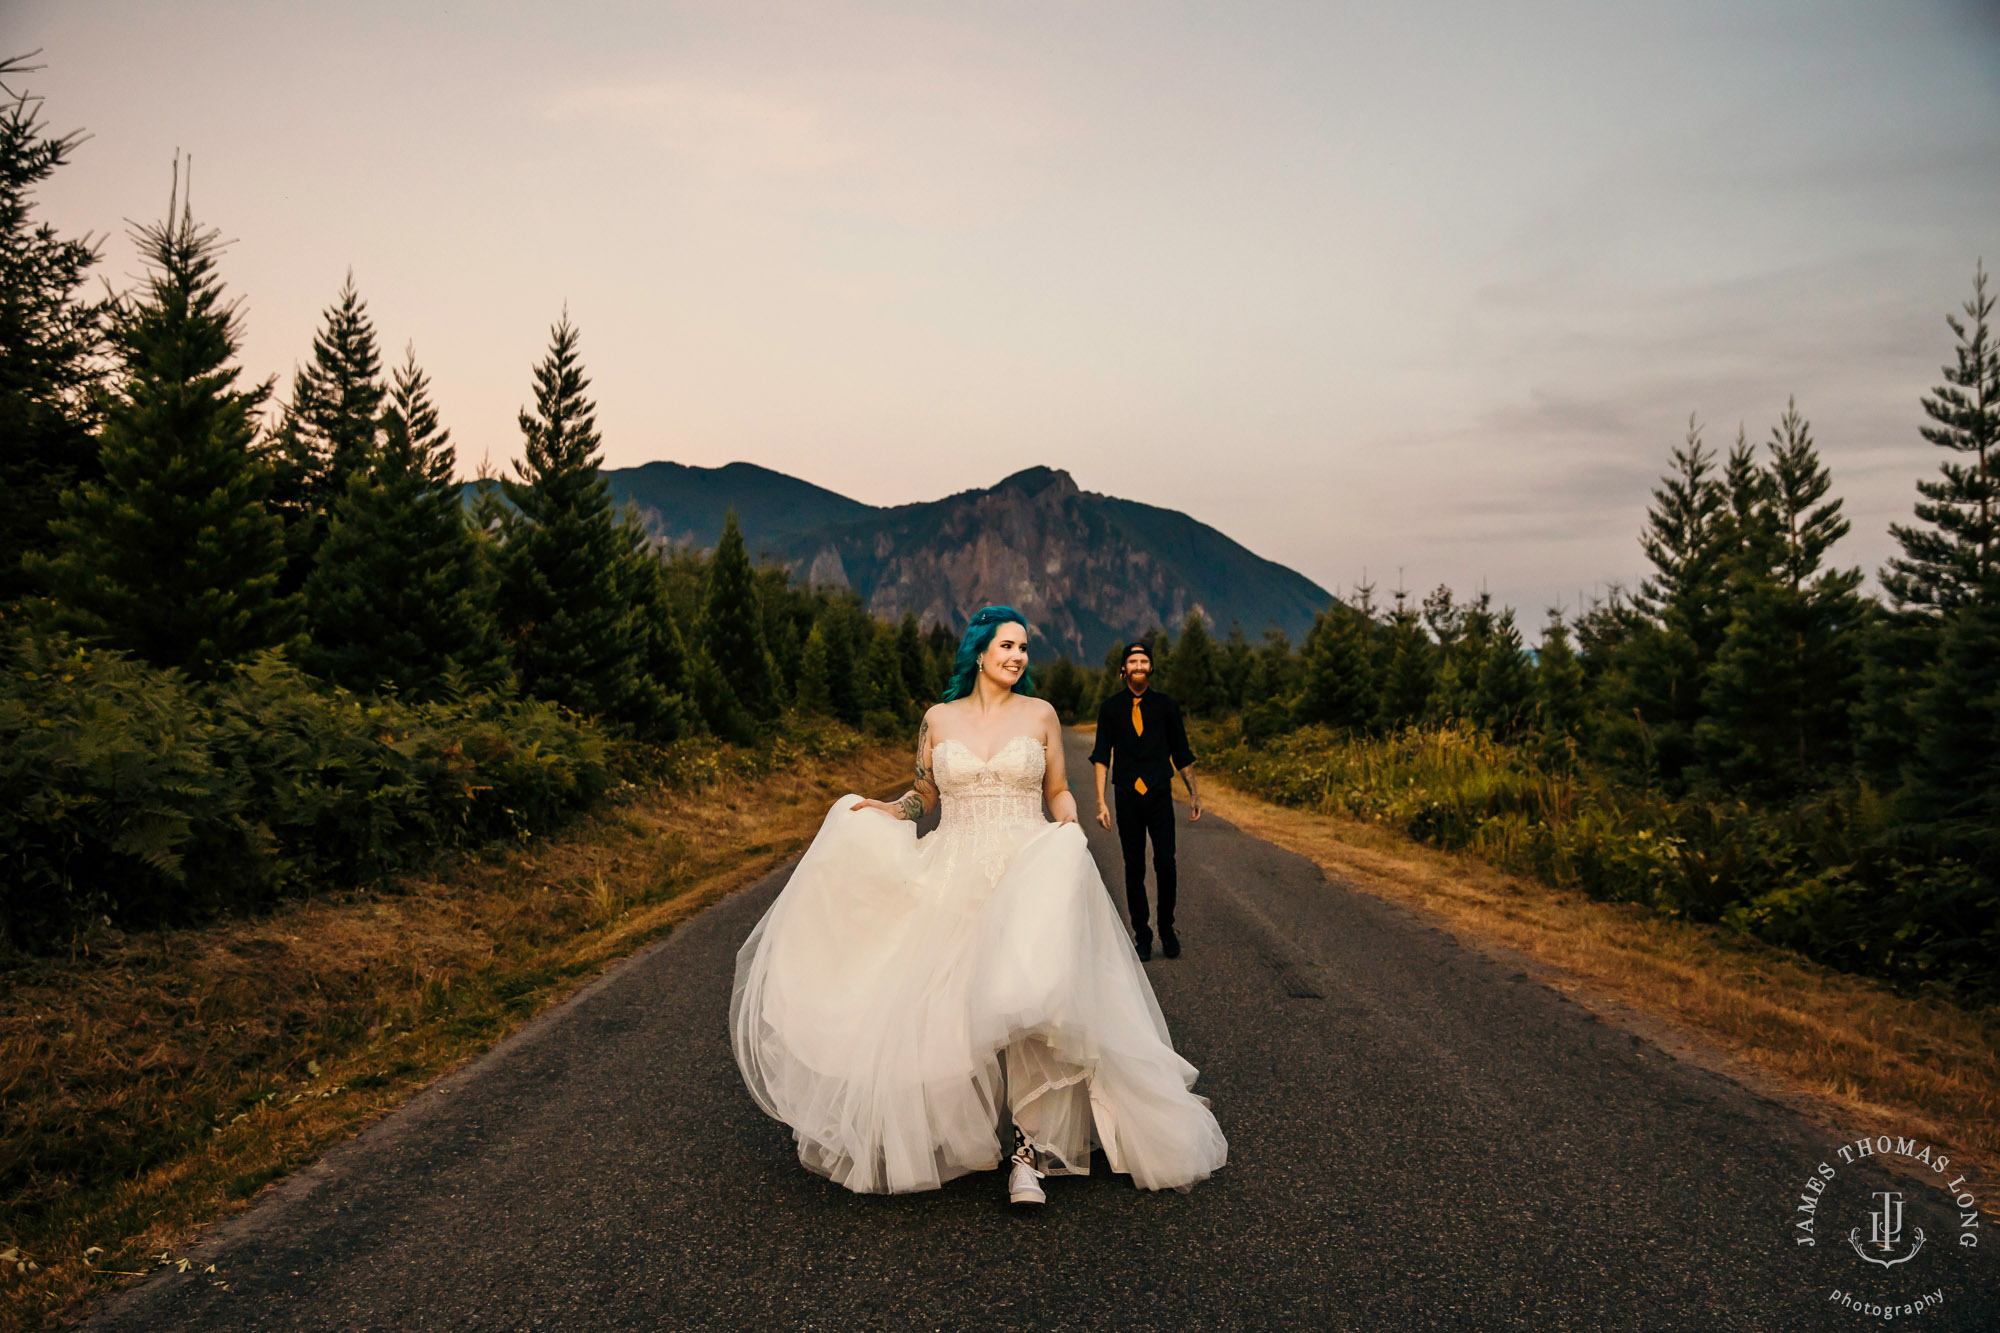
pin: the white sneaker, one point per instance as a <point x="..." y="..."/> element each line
<point x="1024" y="1181"/>
<point x="1024" y="1184"/>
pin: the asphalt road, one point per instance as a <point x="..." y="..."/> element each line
<point x="1420" y="1137"/>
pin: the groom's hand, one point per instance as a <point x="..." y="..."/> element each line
<point x="1103" y="819"/>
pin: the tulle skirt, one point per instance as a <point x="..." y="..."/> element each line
<point x="899" y="989"/>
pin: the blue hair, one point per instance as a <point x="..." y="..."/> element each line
<point x="978" y="633"/>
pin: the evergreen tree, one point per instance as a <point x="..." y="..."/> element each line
<point x="920" y="679"/>
<point x="1898" y="650"/>
<point x="1650" y="697"/>
<point x="732" y="625"/>
<point x="564" y="580"/>
<point x="1462" y="631"/>
<point x="1560" y="699"/>
<point x="331" y="428"/>
<point x="1337" y="686"/>
<point x="1162" y="655"/>
<point x="663" y="649"/>
<point x="1195" y="683"/>
<point x="172" y="554"/>
<point x="1788" y="673"/>
<point x="400" y="597"/>
<point x="845" y="625"/>
<point x="1062" y="685"/>
<point x="814" y="698"/>
<point x="1233" y="667"/>
<point x="1747" y="487"/>
<point x="1282" y="667"/>
<point x="786" y="620"/>
<point x="50" y="340"/>
<point x="1408" y="668"/>
<point x="888" y="701"/>
<point x="1954" y="557"/>
<point x="1952" y="797"/>
<point x="1503" y="684"/>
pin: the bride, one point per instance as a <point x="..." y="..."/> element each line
<point x="900" y="990"/>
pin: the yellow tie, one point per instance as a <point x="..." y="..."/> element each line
<point x="1138" y="729"/>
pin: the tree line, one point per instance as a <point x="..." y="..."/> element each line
<point x="250" y="642"/>
<point x="1827" y="759"/>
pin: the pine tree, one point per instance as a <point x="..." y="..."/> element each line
<point x="919" y="670"/>
<point x="1462" y="632"/>
<point x="1650" y="695"/>
<point x="1952" y="795"/>
<point x="1787" y="676"/>
<point x="1503" y="683"/>
<point x="1408" y="668"/>
<point x="845" y="624"/>
<point x="888" y="702"/>
<point x="1953" y="559"/>
<point x="331" y="428"/>
<point x="564" y="582"/>
<point x="50" y="340"/>
<point x="1233" y="666"/>
<point x="787" y="618"/>
<point x="663" y="653"/>
<point x="1338" y="686"/>
<point x="1195" y="684"/>
<point x="172" y="555"/>
<point x="1898" y="650"/>
<point x="1560" y="700"/>
<point x="732" y="625"/>
<point x="1062" y="685"/>
<point x="399" y="597"/>
<point x="814" y="699"/>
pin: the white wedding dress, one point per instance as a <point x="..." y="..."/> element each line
<point x="878" y="997"/>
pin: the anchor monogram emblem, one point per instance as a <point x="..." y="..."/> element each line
<point x="1885" y="1229"/>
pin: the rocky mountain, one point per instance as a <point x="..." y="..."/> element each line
<point x="685" y="505"/>
<point x="1086" y="569"/>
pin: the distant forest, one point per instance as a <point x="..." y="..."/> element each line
<point x="255" y="642"/>
<point x="1747" y="736"/>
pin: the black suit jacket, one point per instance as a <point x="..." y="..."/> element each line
<point x="1153" y="754"/>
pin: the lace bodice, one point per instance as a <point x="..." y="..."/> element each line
<point x="975" y="793"/>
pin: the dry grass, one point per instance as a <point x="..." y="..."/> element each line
<point x="1847" y="1048"/>
<point x="157" y="1081"/>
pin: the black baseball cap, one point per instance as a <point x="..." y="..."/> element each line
<point x="1139" y="647"/>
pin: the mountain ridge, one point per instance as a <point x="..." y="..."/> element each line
<point x="1086" y="569"/>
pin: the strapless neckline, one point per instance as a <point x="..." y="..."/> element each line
<point x="989" y="760"/>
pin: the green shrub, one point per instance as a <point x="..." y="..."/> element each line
<point x="128" y="793"/>
<point x="110" y="803"/>
<point x="1822" y="876"/>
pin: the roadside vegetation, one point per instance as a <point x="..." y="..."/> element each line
<point x="155" y="1079"/>
<point x="1747" y="739"/>
<point x="319" y="770"/>
<point x="1850" y="1049"/>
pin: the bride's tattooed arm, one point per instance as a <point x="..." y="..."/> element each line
<point x="923" y="795"/>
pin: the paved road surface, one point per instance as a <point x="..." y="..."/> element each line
<point x="1419" y="1138"/>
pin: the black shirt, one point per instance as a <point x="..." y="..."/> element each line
<point x="1148" y="755"/>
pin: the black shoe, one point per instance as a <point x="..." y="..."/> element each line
<point x="1170" y="944"/>
<point x="1144" y="944"/>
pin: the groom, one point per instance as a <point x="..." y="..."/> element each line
<point x="1142" y="730"/>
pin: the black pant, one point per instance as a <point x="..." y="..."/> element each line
<point x="1138" y="816"/>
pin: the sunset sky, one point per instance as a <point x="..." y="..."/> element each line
<point x="1428" y="286"/>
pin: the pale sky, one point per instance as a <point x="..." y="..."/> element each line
<point x="1423" y="286"/>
